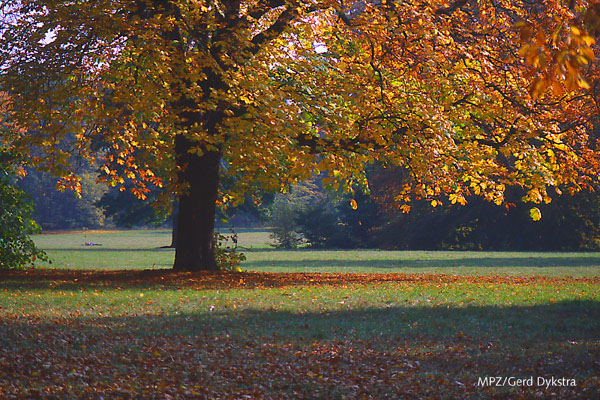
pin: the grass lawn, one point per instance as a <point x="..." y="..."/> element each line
<point x="384" y="325"/>
<point x="141" y="249"/>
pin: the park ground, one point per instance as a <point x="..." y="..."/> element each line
<point x="111" y="321"/>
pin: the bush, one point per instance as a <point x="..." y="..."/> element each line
<point x="284" y="229"/>
<point x="312" y="216"/>
<point x="226" y="252"/>
<point x="16" y="223"/>
<point x="333" y="223"/>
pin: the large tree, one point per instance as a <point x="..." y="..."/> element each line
<point x="273" y="90"/>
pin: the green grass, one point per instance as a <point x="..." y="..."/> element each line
<point x="140" y="249"/>
<point x="137" y="249"/>
<point x="144" y="337"/>
<point x="159" y="334"/>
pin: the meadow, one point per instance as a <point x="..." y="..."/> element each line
<point x="143" y="249"/>
<point x="109" y="321"/>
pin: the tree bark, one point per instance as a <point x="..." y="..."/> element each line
<point x="175" y="222"/>
<point x="195" y="243"/>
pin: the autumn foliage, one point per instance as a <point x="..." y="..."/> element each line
<point x="469" y="97"/>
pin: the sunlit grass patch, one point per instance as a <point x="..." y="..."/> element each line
<point x="142" y="249"/>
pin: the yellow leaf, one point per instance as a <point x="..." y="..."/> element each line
<point x="583" y="84"/>
<point x="540" y="38"/>
<point x="537" y="88"/>
<point x="535" y="214"/>
<point x="353" y="204"/>
<point x="524" y="50"/>
<point x="557" y="88"/>
<point x="588" y="40"/>
<point x="534" y="195"/>
<point x="588" y="53"/>
<point x="457" y="198"/>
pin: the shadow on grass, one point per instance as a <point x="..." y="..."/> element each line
<point x="559" y="323"/>
<point x="386" y="351"/>
<point x="573" y="321"/>
<point x="569" y="320"/>
<point x="565" y="322"/>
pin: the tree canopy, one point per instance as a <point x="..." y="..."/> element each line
<point x="468" y="96"/>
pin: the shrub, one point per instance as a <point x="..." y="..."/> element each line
<point x="226" y="252"/>
<point x="313" y="216"/>
<point x="16" y="224"/>
<point x="284" y="229"/>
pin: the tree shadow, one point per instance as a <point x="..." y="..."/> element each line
<point x="572" y="320"/>
<point x="389" y="349"/>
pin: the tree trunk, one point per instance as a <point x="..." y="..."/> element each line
<point x="175" y="222"/>
<point x="195" y="243"/>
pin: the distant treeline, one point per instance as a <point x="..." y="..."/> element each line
<point x="310" y="215"/>
<point x="56" y="210"/>
<point x="98" y="207"/>
<point x="101" y="206"/>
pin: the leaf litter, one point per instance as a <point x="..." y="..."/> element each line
<point x="168" y="356"/>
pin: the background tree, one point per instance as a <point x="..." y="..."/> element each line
<point x="16" y="223"/>
<point x="569" y="223"/>
<point x="126" y="210"/>
<point x="313" y="216"/>
<point x="276" y="90"/>
<point x="55" y="209"/>
<point x="326" y="219"/>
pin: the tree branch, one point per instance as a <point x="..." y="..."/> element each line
<point x="278" y="27"/>
<point x="264" y="7"/>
